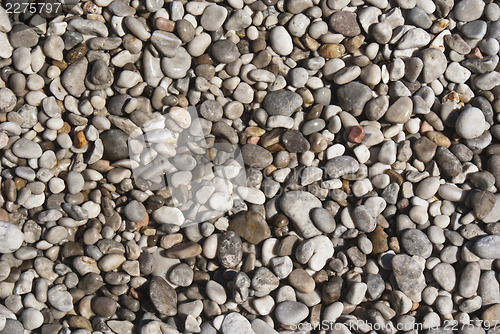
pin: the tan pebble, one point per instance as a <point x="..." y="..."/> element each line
<point x="62" y="65"/>
<point x="269" y="170"/>
<point x="451" y="97"/>
<point x="438" y="138"/>
<point x="20" y="183"/>
<point x="332" y="50"/>
<point x="168" y="241"/>
<point x="184" y="250"/>
<point x="426" y="127"/>
<point x="307" y="97"/>
<point x="96" y="17"/>
<point x="394" y="245"/>
<point x="310" y="42"/>
<point x="164" y="24"/>
<point x="255" y="131"/>
<point x="379" y="240"/>
<point x="253" y="140"/>
<point x="354" y="43"/>
<point x="91" y="8"/>
<point x="80" y="140"/>
<point x="143" y="223"/>
<point x="101" y="166"/>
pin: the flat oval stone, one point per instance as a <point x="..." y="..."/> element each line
<point x="229" y="250"/>
<point x="256" y="156"/>
<point x="416" y="242"/>
<point x="26" y="149"/>
<point x="291" y="312"/>
<point x="213" y="17"/>
<point x="282" y="103"/>
<point x="400" y="111"/>
<point x="163" y="296"/>
<point x="323" y="220"/>
<point x="225" y="51"/>
<point x="281" y="41"/>
<point x="488" y="247"/>
<point x="470" y="123"/>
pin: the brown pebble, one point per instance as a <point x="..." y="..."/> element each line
<point x="20" y="183"/>
<point x="379" y="240"/>
<point x="164" y="24"/>
<point x="184" y="250"/>
<point x="280" y="220"/>
<point x="66" y="128"/>
<point x="80" y="140"/>
<point x="76" y="322"/>
<point x="62" y="65"/>
<point x="167" y="241"/>
<point x="439" y="138"/>
<point x="357" y="134"/>
<point x="394" y="176"/>
<point x="77" y="53"/>
<point x="332" y="50"/>
<point x="4" y="215"/>
<point x="394" y="245"/>
<point x="251" y="226"/>
<point x="301" y="281"/>
<point x="318" y="143"/>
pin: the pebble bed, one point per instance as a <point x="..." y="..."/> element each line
<point x="369" y="131"/>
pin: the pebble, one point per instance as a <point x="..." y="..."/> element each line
<point x="468" y="117"/>
<point x="297" y="206"/>
<point x="60" y="299"/>
<point x="163" y="296"/>
<point x="291" y="312"/>
<point x="213" y="17"/>
<point x="344" y="22"/>
<point x="486" y="248"/>
<point x="370" y="126"/>
<point x="281" y="41"/>
<point x="282" y="103"/>
<point x="11" y="237"/>
<point x="409" y="276"/>
<point x="235" y="322"/>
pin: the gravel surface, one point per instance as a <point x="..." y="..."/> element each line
<point x="250" y="167"/>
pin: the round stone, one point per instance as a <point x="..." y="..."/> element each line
<point x="282" y="102"/>
<point x="31" y="318"/>
<point x="225" y="51"/>
<point x="115" y="143"/>
<point x="103" y="306"/>
<point x="416" y="242"/>
<point x="181" y="275"/>
<point x="291" y="312"/>
<point x="213" y="17"/>
<point x="281" y="41"/>
<point x="345" y="23"/>
<point x="135" y="211"/>
<point x="470" y="123"/>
